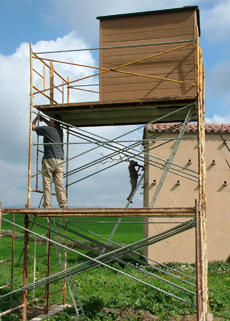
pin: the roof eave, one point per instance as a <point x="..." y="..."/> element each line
<point x="185" y="8"/>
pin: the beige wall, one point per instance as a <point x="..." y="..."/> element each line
<point x="181" y="248"/>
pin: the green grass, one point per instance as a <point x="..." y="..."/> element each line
<point x="126" y="233"/>
<point x="101" y="288"/>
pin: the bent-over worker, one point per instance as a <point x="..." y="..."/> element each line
<point x="133" y="174"/>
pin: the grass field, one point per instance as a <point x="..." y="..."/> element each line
<point x="104" y="292"/>
<point x="129" y="230"/>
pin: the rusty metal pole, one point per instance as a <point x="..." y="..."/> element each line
<point x="47" y="289"/>
<point x="202" y="184"/>
<point x="203" y="216"/>
<point x="26" y="238"/>
<point x="25" y="271"/>
<point x="12" y="262"/>
<point x="51" y="83"/>
<point x="37" y="161"/>
<point x="0" y="218"/>
<point x="66" y="220"/>
<point x="67" y="145"/>
<point x="67" y="190"/>
<point x="30" y="128"/>
<point x="198" y="261"/>
<point x="63" y="92"/>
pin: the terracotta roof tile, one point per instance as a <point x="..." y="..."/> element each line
<point x="191" y="128"/>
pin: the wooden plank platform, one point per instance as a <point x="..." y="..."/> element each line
<point x="125" y="112"/>
<point x="104" y="212"/>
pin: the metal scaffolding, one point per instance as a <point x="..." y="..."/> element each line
<point x="58" y="233"/>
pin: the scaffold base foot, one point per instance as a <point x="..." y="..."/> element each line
<point x="52" y="312"/>
<point x="210" y="317"/>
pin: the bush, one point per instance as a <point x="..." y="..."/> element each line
<point x="93" y="306"/>
<point x="11" y="317"/>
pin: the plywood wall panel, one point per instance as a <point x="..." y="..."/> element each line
<point x="131" y="80"/>
<point x="151" y="26"/>
<point x="145" y="29"/>
<point x="158" y="20"/>
<point x="112" y="61"/>
<point x="147" y="50"/>
<point x="147" y="94"/>
<point x="158" y="36"/>
<point x="155" y="85"/>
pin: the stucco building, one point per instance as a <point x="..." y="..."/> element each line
<point x="180" y="189"/>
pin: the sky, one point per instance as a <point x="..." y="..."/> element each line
<point x="60" y="25"/>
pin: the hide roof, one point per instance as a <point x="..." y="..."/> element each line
<point x="191" y="128"/>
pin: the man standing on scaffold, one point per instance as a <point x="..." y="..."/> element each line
<point x="53" y="159"/>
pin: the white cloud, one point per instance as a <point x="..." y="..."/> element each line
<point x="109" y="188"/>
<point x="81" y="15"/>
<point x="67" y="43"/>
<point x="218" y="78"/>
<point x="218" y="94"/>
<point x="13" y="187"/>
<point x="216" y="21"/>
<point x="216" y="119"/>
<point x="15" y="85"/>
<point x="14" y="121"/>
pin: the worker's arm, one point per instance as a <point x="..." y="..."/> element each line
<point x="41" y="118"/>
<point x="140" y="167"/>
<point x="34" y="122"/>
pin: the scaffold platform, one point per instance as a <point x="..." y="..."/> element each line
<point x="121" y="112"/>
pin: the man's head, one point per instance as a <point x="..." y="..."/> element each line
<point x="133" y="163"/>
<point x="55" y="121"/>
